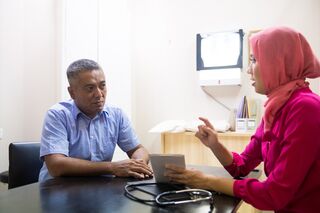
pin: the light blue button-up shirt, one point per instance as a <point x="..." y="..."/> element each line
<point x="68" y="131"/>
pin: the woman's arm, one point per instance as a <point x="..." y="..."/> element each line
<point x="209" y="137"/>
<point x="237" y="165"/>
<point x="196" y="179"/>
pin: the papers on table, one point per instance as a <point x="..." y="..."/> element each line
<point x="182" y="126"/>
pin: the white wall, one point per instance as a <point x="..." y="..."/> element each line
<point x="100" y="30"/>
<point x="115" y="56"/>
<point x="164" y="60"/>
<point x="79" y="35"/>
<point x="28" y="79"/>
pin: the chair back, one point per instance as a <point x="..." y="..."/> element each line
<point x="24" y="163"/>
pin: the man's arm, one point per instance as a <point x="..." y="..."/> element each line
<point x="61" y="165"/>
<point x="139" y="152"/>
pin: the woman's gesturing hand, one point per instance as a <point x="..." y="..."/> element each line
<point x="207" y="134"/>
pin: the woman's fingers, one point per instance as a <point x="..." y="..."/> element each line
<point x="201" y="131"/>
<point x="175" y="177"/>
<point x="204" y="131"/>
<point x="206" y="122"/>
<point x="175" y="173"/>
<point x="174" y="168"/>
<point x="207" y="131"/>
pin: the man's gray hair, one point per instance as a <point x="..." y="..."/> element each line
<point x="80" y="66"/>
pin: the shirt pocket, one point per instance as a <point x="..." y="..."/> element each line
<point x="107" y="147"/>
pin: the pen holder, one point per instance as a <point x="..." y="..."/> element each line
<point x="245" y="124"/>
<point x="251" y="124"/>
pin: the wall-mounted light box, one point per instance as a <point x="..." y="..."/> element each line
<point x="219" y="58"/>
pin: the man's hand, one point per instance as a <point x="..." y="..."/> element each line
<point x="131" y="168"/>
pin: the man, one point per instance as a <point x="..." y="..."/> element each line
<point x="79" y="136"/>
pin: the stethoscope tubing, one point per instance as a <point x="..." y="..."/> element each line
<point x="193" y="192"/>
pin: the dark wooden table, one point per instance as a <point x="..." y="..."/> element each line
<point x="99" y="194"/>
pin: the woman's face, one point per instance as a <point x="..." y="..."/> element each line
<point x="255" y="75"/>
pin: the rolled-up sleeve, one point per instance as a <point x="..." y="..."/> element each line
<point x="54" y="135"/>
<point x="127" y="139"/>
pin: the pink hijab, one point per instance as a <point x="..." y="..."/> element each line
<point x="285" y="60"/>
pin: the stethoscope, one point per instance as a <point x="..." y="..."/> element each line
<point x="194" y="195"/>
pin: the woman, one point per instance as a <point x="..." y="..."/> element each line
<point x="287" y="139"/>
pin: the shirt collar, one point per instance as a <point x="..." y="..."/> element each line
<point x="76" y="111"/>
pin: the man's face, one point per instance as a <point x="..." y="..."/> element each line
<point x="88" y="90"/>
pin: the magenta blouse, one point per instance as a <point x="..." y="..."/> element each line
<point x="291" y="156"/>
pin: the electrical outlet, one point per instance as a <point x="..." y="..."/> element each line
<point x="1" y="133"/>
